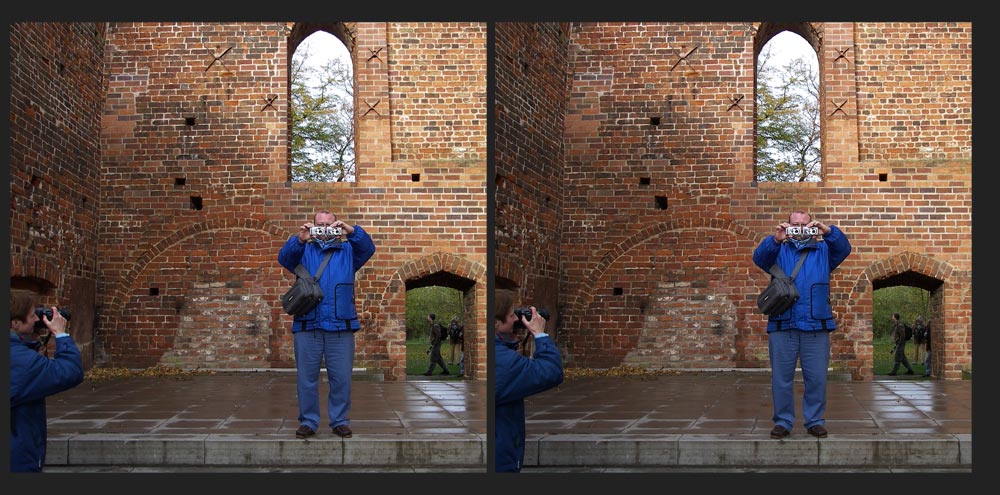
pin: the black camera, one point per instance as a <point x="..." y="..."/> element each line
<point x="41" y="311"/>
<point x="526" y="313"/>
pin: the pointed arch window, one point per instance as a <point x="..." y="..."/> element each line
<point x="788" y="124"/>
<point x="321" y="119"/>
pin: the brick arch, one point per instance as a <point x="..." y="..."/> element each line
<point x="905" y="268"/>
<point x="585" y="295"/>
<point x="907" y="262"/>
<point x="299" y="31"/>
<point x="813" y="34"/>
<point x="28" y="265"/>
<point x="118" y="293"/>
<point x="511" y="270"/>
<point x="391" y="312"/>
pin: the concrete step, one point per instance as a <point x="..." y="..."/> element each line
<point x="747" y="452"/>
<point x="262" y="452"/>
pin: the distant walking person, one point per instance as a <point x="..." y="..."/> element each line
<point x="899" y="351"/>
<point x="919" y="331"/>
<point x="456" y="335"/>
<point x="927" y="341"/>
<point x="437" y="336"/>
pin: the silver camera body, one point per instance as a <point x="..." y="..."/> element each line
<point x="326" y="231"/>
<point x="794" y="231"/>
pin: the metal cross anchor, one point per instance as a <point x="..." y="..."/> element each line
<point x="371" y="107"/>
<point x="374" y="54"/>
<point x="840" y="107"/>
<point x="270" y="101"/>
<point x="736" y="102"/>
<point x="217" y="58"/>
<point x="683" y="57"/>
<point x="842" y="54"/>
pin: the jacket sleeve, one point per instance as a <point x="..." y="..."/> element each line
<point x="840" y="247"/>
<point x="526" y="377"/>
<point x="44" y="377"/>
<point x="362" y="246"/>
<point x="766" y="253"/>
<point x="290" y="254"/>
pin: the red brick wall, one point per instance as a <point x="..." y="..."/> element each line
<point x="215" y="268"/>
<point x="659" y="220"/>
<point x="55" y="101"/>
<point x="531" y="83"/>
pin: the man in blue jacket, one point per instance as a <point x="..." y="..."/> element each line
<point x="518" y="377"/>
<point x="327" y="331"/>
<point x="803" y="331"/>
<point x="33" y="377"/>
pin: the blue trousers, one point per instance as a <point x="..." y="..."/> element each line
<point x="312" y="347"/>
<point x="813" y="350"/>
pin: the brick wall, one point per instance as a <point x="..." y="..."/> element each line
<point x="531" y="99"/>
<point x="55" y="101"/>
<point x="198" y="198"/>
<point x="660" y="213"/>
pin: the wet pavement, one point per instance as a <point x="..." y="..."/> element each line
<point x="722" y="420"/>
<point x="245" y="421"/>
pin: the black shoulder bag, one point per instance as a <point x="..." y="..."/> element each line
<point x="780" y="293"/>
<point x="306" y="293"/>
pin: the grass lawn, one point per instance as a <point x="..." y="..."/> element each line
<point x="883" y="357"/>
<point x="417" y="358"/>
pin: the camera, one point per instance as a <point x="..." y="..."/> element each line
<point x="326" y="231"/>
<point x="526" y="313"/>
<point x="41" y="311"/>
<point x="793" y="231"/>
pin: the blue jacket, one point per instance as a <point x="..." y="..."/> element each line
<point x="813" y="310"/>
<point x="336" y="311"/>
<point x="33" y="377"/>
<point x="518" y="377"/>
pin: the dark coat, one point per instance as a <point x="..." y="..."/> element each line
<point x="518" y="377"/>
<point x="33" y="377"/>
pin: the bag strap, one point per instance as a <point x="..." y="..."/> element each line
<point x="302" y="272"/>
<point x="778" y="272"/>
<point x="802" y="258"/>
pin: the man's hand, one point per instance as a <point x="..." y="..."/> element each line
<point x="779" y="232"/>
<point x="822" y="227"/>
<point x="537" y="323"/>
<point x="347" y="228"/>
<point x="304" y="234"/>
<point x="57" y="324"/>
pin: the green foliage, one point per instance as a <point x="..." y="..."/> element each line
<point x="909" y="302"/>
<point x="444" y="302"/>
<point x="321" y="113"/>
<point x="788" y="130"/>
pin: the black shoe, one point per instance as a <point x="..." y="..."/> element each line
<point x="892" y="374"/>
<point x="909" y="372"/>
<point x="428" y="373"/>
<point x="445" y="372"/>
<point x="304" y="431"/>
<point x="817" y="431"/>
<point x="779" y="432"/>
<point x="342" y="431"/>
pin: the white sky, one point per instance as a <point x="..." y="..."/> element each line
<point x="324" y="46"/>
<point x="787" y="45"/>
